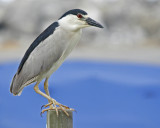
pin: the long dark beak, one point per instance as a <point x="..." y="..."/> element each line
<point x="93" y="23"/>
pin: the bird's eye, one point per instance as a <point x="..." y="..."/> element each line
<point x="79" y="15"/>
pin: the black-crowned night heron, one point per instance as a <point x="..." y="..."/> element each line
<point x="47" y="53"/>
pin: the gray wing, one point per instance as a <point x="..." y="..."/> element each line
<point x="46" y="33"/>
<point x="40" y="56"/>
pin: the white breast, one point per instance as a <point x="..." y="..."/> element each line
<point x="69" y="41"/>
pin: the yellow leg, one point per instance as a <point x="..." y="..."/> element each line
<point x="47" y="91"/>
<point x="46" y="86"/>
<point x="53" y="101"/>
<point x="36" y="88"/>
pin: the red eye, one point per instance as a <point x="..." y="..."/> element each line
<point x="79" y="15"/>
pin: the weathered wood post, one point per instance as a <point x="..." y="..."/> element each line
<point x="60" y="121"/>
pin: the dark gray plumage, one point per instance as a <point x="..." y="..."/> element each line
<point x="73" y="12"/>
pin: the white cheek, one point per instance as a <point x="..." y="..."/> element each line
<point x="70" y="23"/>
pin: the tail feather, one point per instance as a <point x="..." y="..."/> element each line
<point x="13" y="88"/>
<point x="18" y="83"/>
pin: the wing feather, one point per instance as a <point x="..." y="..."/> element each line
<point x="39" y="58"/>
<point x="46" y="33"/>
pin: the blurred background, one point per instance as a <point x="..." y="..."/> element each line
<point x="112" y="78"/>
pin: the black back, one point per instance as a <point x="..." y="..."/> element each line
<point x="73" y="12"/>
<point x="46" y="33"/>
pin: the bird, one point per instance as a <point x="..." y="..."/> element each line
<point x="47" y="52"/>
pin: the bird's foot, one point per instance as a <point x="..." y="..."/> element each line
<point x="55" y="103"/>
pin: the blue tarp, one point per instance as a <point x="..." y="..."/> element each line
<point x="104" y="94"/>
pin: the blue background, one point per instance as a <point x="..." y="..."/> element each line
<point x="104" y="94"/>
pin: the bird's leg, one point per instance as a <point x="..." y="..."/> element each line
<point x="47" y="92"/>
<point x="54" y="102"/>
<point x="36" y="88"/>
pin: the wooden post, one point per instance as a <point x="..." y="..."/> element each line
<point x="60" y="121"/>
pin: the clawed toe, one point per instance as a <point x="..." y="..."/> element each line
<point x="46" y="105"/>
<point x="55" y="103"/>
<point x="42" y="107"/>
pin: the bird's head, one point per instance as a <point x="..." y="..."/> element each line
<point x="76" y="19"/>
